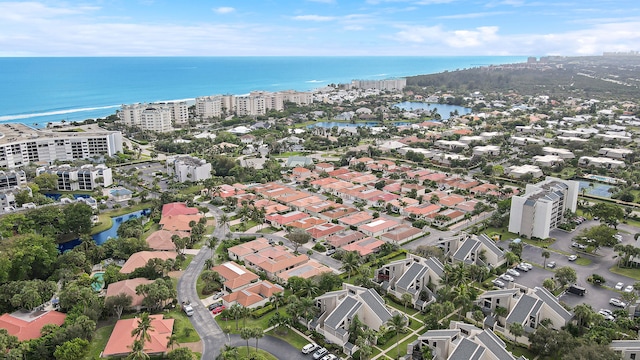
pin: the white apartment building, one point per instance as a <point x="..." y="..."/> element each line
<point x="86" y="177"/>
<point x="8" y="197"/>
<point x="188" y="168"/>
<point x="254" y="103"/>
<point x="156" y="119"/>
<point x="603" y="162"/>
<point x="615" y="153"/>
<point x="132" y="115"/>
<point x="388" y="84"/>
<point x="11" y="179"/>
<point x="542" y="207"/>
<point x="21" y="144"/>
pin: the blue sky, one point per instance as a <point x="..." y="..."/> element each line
<point x="317" y="27"/>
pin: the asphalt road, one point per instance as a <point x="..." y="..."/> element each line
<point x="210" y="333"/>
<point x="276" y="347"/>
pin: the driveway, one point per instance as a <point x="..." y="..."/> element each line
<point x="276" y="347"/>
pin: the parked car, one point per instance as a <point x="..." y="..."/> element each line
<point x="572" y="257"/>
<point x="498" y="283"/>
<point x="617" y="302"/>
<point x="619" y="286"/>
<point x="618" y="237"/>
<point x="218" y="310"/>
<point x="628" y="289"/>
<point x="507" y="277"/>
<point x="331" y="252"/>
<point x="574" y="244"/>
<point x="577" y="290"/>
<point x="187" y="308"/>
<point x="218" y="295"/>
<point x="607" y="315"/>
<point x="513" y="272"/>
<point x="551" y="264"/>
<point x="522" y="268"/>
<point x="216" y="304"/>
<point x="329" y="357"/>
<point x="526" y="264"/>
<point x="320" y="353"/>
<point x="309" y="348"/>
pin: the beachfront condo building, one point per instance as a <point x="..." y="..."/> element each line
<point x="254" y="103"/>
<point x="388" y="84"/>
<point x="21" y="144"/>
<point x="137" y="115"/>
<point x="11" y="179"/>
<point x="86" y="177"/>
<point x="542" y="207"/>
<point x="188" y="168"/>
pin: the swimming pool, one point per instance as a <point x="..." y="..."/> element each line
<point x="98" y="284"/>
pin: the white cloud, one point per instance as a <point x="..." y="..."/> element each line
<point x="324" y="1"/>
<point x="27" y="11"/>
<point x="224" y="10"/>
<point x="473" y="15"/>
<point x="314" y="18"/>
<point x="455" y="38"/>
<point x="354" y="27"/>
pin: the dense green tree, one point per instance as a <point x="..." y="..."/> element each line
<point x="598" y="236"/>
<point x="77" y="218"/>
<point x="46" y="182"/>
<point x="566" y="275"/>
<point x="157" y="293"/>
<point x="72" y="349"/>
<point x="32" y="257"/>
<point x="298" y="237"/>
<point x="592" y="352"/>
<point x="549" y="342"/>
<point x="118" y="303"/>
<point x="183" y="353"/>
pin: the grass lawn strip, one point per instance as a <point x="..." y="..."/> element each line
<point x="632" y="273"/>
<point x="242" y="351"/>
<point x="99" y="342"/>
<point x="291" y="337"/>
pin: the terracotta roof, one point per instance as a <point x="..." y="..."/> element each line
<point x="339" y="171"/>
<point x="364" y="246"/>
<point x="402" y="233"/>
<point x="379" y="224"/>
<point x="161" y="240"/>
<point x="121" y="340"/>
<point x="356" y="219"/>
<point x="253" y="294"/>
<point x="178" y="209"/>
<point x="286" y="218"/>
<point x="27" y="326"/>
<point x="275" y="259"/>
<point x="322" y="230"/>
<point x="308" y="270"/>
<point x="424" y="209"/>
<point x="250" y="247"/>
<point x="345" y="238"/>
<point x="235" y="276"/>
<point x="307" y="223"/>
<point x="141" y="259"/>
<point x="451" y="200"/>
<point x="178" y="222"/>
<point x="128" y="287"/>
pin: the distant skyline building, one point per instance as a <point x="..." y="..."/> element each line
<point x="542" y="207"/>
<point x="387" y="84"/>
<point x="252" y="104"/>
<point x="159" y="117"/>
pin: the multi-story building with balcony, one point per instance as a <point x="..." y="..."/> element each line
<point x="542" y="207"/>
<point x="188" y="168"/>
<point x="86" y="177"/>
<point x="173" y="113"/>
<point x="21" y="144"/>
<point x="254" y="103"/>
<point x="12" y="178"/>
<point x="388" y="84"/>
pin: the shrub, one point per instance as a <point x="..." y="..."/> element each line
<point x="245" y="239"/>
<point x="258" y="313"/>
<point x="319" y="247"/>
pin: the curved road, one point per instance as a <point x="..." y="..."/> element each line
<point x="210" y="333"/>
<point x="274" y="346"/>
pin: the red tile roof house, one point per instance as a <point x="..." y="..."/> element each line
<point x="337" y="213"/>
<point x="453" y="215"/>
<point x="121" y="340"/>
<point x="141" y="259"/>
<point x="326" y="167"/>
<point x="161" y="240"/>
<point x="274" y="260"/>
<point x="483" y="189"/>
<point x="339" y="171"/>
<point x="306" y="271"/>
<point x="270" y="207"/>
<point x="279" y="221"/>
<point x="365" y="246"/>
<point x="378" y="227"/>
<point x="239" y="252"/>
<point x="402" y="234"/>
<point x="420" y="211"/>
<point x="319" y="183"/>
<point x="317" y="209"/>
<point x="128" y="287"/>
<point x="302" y="204"/>
<point x="420" y="190"/>
<point x="178" y="222"/>
<point x="451" y="200"/>
<point x="235" y="276"/>
<point x="178" y="209"/>
<point x="289" y="198"/>
<point x="467" y="206"/>
<point x="253" y="296"/>
<point x="364" y="160"/>
<point x="27" y="325"/>
<point x="307" y="223"/>
<point x="300" y="173"/>
<point x="320" y="232"/>
<point x="356" y="219"/>
<point x="345" y="238"/>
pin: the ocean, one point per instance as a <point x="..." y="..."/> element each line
<point x="36" y="91"/>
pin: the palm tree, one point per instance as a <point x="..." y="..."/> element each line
<point x="244" y="312"/>
<point x="406" y="299"/>
<point x="142" y="332"/>
<point x="545" y="254"/>
<point x="350" y="263"/>
<point x="501" y="312"/>
<point x="277" y="299"/>
<point x="397" y="324"/>
<point x="137" y="351"/>
<point x="516" y="330"/>
<point x="583" y="314"/>
<point x="228" y="353"/>
<point x="246" y="334"/>
<point x="309" y="288"/>
<point x="211" y="243"/>
<point x="279" y="320"/>
<point x="234" y="310"/>
<point x="173" y="341"/>
<point x="511" y="257"/>
<point x="257" y="334"/>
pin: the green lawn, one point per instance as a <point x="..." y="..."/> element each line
<point x="193" y="189"/>
<point x="181" y="323"/>
<point x="288" y="154"/>
<point x="262" y="322"/>
<point x="104" y="219"/>
<point x="632" y="273"/>
<point x="243" y="226"/>
<point x="393" y="352"/>
<point x="291" y="337"/>
<point x="392" y="341"/>
<point x="242" y="350"/>
<point x="518" y="351"/>
<point x="583" y="261"/>
<point x="268" y="230"/>
<point x="97" y="345"/>
<point x="409" y="310"/>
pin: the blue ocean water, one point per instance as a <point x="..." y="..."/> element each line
<point x="41" y="90"/>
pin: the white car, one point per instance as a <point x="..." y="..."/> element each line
<point x="523" y="267"/>
<point x="526" y="264"/>
<point x="619" y="286"/>
<point x="607" y="315"/>
<point x="628" y="289"/>
<point x="617" y="302"/>
<point x="551" y="264"/>
<point x="330" y="357"/>
<point x="572" y="257"/>
<point x="498" y="283"/>
<point x="507" y="277"/>
<point x="513" y="272"/>
<point x="320" y="353"/>
<point x="309" y="348"/>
